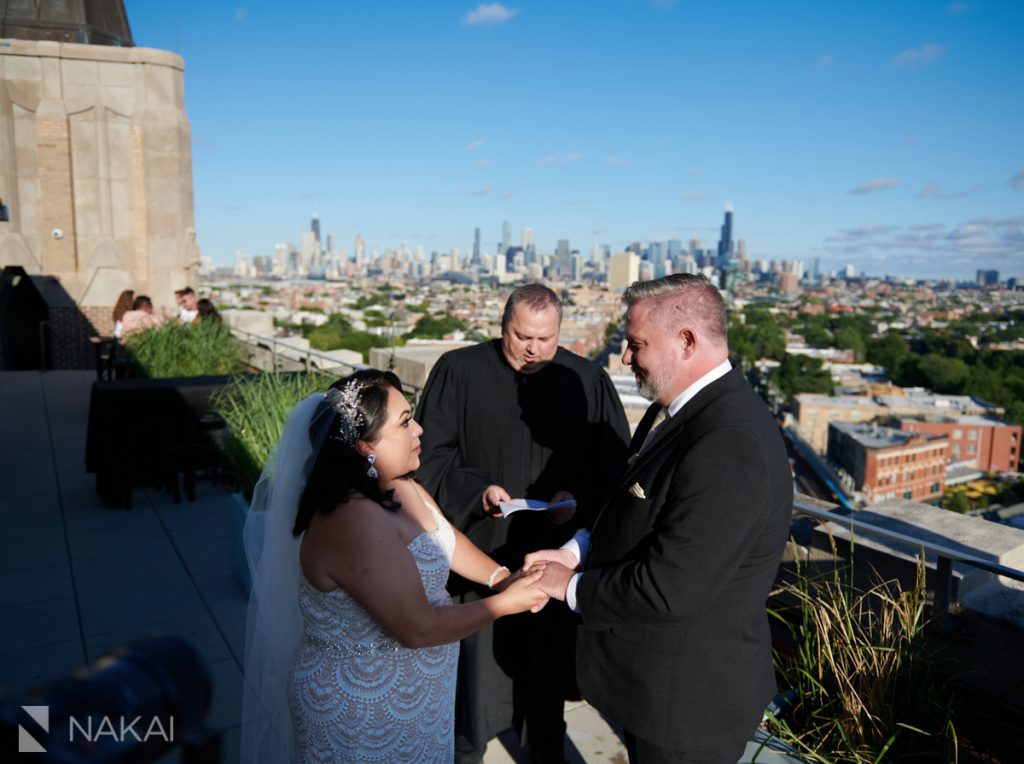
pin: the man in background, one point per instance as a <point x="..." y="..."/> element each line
<point x="518" y="417"/>
<point x="187" y="305"/>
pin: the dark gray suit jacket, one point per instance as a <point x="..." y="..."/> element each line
<point x="675" y="643"/>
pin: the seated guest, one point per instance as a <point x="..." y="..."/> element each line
<point x="207" y="312"/>
<point x="140" y="317"/>
<point x="122" y="306"/>
<point x="188" y="304"/>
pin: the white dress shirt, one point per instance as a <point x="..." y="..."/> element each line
<point x="580" y="543"/>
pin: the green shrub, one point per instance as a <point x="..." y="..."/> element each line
<point x="185" y="350"/>
<point x="255" y="409"/>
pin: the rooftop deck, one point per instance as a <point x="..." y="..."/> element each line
<point x="78" y="579"/>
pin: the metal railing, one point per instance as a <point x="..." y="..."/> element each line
<point x="944" y="555"/>
<point x="311" y="360"/>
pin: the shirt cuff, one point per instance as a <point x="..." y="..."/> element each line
<point x="578" y="546"/>
<point x="570" y="592"/>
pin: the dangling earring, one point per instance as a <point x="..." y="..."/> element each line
<point x="371" y="472"/>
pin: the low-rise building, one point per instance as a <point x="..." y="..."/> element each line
<point x="989" y="444"/>
<point x="887" y="463"/>
<point x="813" y="413"/>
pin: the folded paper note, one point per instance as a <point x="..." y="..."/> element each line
<point x="508" y="507"/>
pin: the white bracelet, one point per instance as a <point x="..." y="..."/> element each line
<point x="496" y="571"/>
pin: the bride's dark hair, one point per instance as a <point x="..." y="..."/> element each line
<point x="339" y="470"/>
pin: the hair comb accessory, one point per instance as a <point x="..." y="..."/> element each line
<point x="346" y="402"/>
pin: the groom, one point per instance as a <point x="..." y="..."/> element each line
<point x="674" y="644"/>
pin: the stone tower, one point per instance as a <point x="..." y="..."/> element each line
<point x="95" y="165"/>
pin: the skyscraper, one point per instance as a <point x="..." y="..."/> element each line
<point x="506" y="237"/>
<point x="563" y="257"/>
<point x="476" y="247"/>
<point x="623" y="270"/>
<point x="527" y="238"/>
<point x="725" y="243"/>
<point x="314" y="226"/>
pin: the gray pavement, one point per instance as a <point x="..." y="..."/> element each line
<point x="78" y="579"/>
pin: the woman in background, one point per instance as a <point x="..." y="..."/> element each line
<point x="122" y="306"/>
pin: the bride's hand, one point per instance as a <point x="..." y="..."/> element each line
<point x="520" y="594"/>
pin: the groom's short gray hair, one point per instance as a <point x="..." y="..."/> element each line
<point x="683" y="298"/>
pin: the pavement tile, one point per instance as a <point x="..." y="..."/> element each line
<point x="220" y="590"/>
<point x="22" y="548"/>
<point x="232" y="624"/>
<point x="199" y="630"/>
<point x="34" y="667"/>
<point x="113" y="571"/>
<point x="226" y="704"/>
<point x="138" y="605"/>
<point x="206" y="555"/>
<point x="99" y="542"/>
<point x="36" y="624"/>
<point x="36" y="584"/>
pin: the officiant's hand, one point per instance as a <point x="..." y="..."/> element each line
<point x="561" y="556"/>
<point x="561" y="515"/>
<point x="493" y="495"/>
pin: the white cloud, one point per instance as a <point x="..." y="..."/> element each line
<point x="559" y="159"/>
<point x="1017" y="181"/>
<point x="616" y="161"/>
<point x="484" y="163"/>
<point x="488" y="14"/>
<point x="825" y="61"/>
<point x="914" y="57"/>
<point x="956" y="8"/>
<point x="241" y="15"/>
<point x="701" y="197"/>
<point x="933" y="190"/>
<point x="878" y="184"/>
<point x="475" y="145"/>
<point x="695" y="171"/>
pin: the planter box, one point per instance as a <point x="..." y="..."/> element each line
<point x="146" y="431"/>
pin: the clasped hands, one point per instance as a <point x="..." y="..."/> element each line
<point x="557" y="567"/>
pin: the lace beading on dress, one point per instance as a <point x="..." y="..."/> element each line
<point x="357" y="694"/>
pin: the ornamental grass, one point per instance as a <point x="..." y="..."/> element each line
<point x="867" y="689"/>
<point x="185" y="350"/>
<point x="255" y="409"/>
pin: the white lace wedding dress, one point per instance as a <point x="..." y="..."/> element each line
<point x="358" y="695"/>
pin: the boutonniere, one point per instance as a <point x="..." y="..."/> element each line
<point x="633" y="458"/>
<point x="637" y="490"/>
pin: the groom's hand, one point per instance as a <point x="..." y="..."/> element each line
<point x="555" y="580"/>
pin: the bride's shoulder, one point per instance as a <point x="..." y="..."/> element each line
<point x="357" y="517"/>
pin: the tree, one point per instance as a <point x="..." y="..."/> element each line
<point x="435" y="328"/>
<point x="801" y="374"/>
<point x="944" y="375"/>
<point x="956" y="501"/>
<point x="849" y="338"/>
<point x="887" y="351"/>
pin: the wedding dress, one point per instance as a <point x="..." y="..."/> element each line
<point x="357" y="694"/>
<point x="323" y="681"/>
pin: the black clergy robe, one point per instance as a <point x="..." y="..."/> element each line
<point x="560" y="428"/>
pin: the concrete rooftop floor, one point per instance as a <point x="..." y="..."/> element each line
<point x="78" y="579"/>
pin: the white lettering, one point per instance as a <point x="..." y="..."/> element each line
<point x="73" y="723"/>
<point x="125" y="730"/>
<point x="106" y="728"/>
<point x="162" y="733"/>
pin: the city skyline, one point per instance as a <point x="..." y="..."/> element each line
<point x="882" y="137"/>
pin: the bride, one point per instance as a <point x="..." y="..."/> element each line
<point x="349" y="625"/>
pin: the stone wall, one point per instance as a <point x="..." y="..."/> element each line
<point x="96" y="170"/>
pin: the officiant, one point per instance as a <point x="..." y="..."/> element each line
<point x="514" y="418"/>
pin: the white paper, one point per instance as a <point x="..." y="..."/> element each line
<point x="508" y="507"/>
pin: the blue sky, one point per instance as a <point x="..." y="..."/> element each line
<point x="889" y="135"/>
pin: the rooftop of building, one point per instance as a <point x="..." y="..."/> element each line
<point x="876" y="436"/>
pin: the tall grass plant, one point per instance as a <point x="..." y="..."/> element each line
<point x="866" y="684"/>
<point x="255" y="409"/>
<point x="185" y="350"/>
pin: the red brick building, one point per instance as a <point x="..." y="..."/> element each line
<point x="991" y="445"/>
<point x="887" y="463"/>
